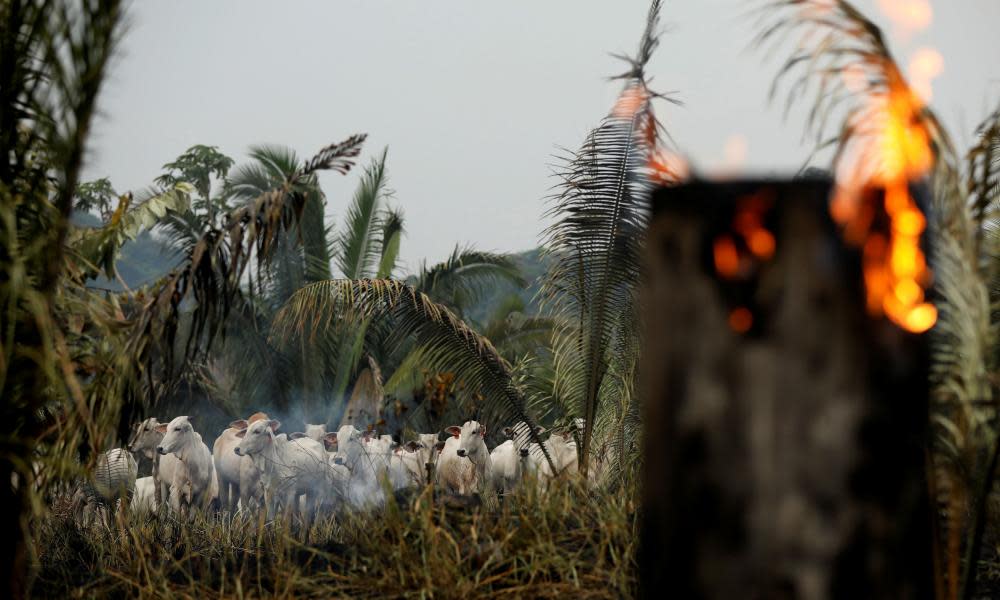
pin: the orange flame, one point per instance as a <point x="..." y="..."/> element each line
<point x="895" y="268"/>
<point x="740" y="319"/>
<point x="727" y="257"/>
<point x="667" y="168"/>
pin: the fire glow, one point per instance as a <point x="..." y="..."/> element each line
<point x="895" y="268"/>
<point x="664" y="167"/>
<point x="748" y="242"/>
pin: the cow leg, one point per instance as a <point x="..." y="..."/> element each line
<point x="244" y="498"/>
<point x="224" y="493"/>
<point x="234" y="495"/>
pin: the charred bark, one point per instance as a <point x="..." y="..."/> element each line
<point x="784" y="452"/>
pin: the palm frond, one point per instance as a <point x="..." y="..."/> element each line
<point x="596" y="241"/>
<point x="448" y="343"/>
<point x="359" y="245"/>
<point x="466" y="276"/>
<point x="983" y="171"/>
<point x="392" y="234"/>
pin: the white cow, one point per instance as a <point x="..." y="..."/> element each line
<point x="519" y="434"/>
<point x="364" y="461"/>
<point x="408" y="464"/>
<point x="144" y="498"/>
<point x="562" y="450"/>
<point x="339" y="475"/>
<point x="289" y="468"/>
<point x="316" y="432"/>
<point x="507" y="466"/>
<point x="452" y="471"/>
<point x="238" y="480"/>
<point x="145" y="438"/>
<point x="194" y="478"/>
<point x="428" y="451"/>
<point x="470" y="468"/>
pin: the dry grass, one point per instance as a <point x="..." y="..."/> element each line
<point x="568" y="542"/>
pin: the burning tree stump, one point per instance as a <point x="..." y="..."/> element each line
<point x="785" y="427"/>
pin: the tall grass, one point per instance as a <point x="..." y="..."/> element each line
<point x="567" y="541"/>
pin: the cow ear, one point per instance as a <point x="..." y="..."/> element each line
<point x="330" y="440"/>
<point x="539" y="430"/>
<point x="296" y="435"/>
<point x="453" y="431"/>
<point x="238" y="424"/>
<point x="241" y="433"/>
<point x="162" y="427"/>
<point x="413" y="446"/>
<point x="274" y="424"/>
<point x="482" y="430"/>
<point x="508" y="432"/>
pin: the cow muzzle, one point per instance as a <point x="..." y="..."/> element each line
<point x="461" y="452"/>
<point x="237" y="451"/>
<point x="161" y="451"/>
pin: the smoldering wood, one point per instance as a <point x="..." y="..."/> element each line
<point x="789" y="461"/>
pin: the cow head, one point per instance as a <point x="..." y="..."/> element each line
<point x="471" y="438"/>
<point x="350" y="447"/>
<point x="316" y="432"/>
<point x="144" y="436"/>
<point x="256" y="437"/>
<point x="176" y="435"/>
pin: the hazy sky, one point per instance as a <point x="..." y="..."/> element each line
<point x="472" y="98"/>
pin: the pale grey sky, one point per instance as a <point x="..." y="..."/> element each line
<point x="473" y="98"/>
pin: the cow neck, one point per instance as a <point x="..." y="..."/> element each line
<point x="481" y="450"/>
<point x="152" y="454"/>
<point x="269" y="455"/>
<point x="190" y="445"/>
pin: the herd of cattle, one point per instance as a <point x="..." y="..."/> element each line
<point x="251" y="465"/>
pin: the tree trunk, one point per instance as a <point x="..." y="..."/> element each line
<point x="784" y="452"/>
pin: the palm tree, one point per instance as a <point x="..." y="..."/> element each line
<point x="257" y="372"/>
<point x="595" y="245"/>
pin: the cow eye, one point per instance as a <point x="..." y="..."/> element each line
<point x="177" y="428"/>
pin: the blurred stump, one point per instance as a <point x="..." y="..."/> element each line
<point x="785" y="428"/>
